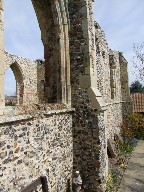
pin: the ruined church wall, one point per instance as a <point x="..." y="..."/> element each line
<point x="102" y="64"/>
<point x="29" y="78"/>
<point x="114" y="118"/>
<point x="88" y="123"/>
<point x="103" y="54"/>
<point x="117" y="77"/>
<point x="125" y="92"/>
<point x="35" y="145"/>
<point x="50" y="135"/>
<point x="127" y="103"/>
<point x="119" y="106"/>
<point x="114" y="107"/>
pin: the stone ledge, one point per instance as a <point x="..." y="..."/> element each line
<point x="55" y="112"/>
<point x="117" y="102"/>
<point x="11" y="119"/>
<point x="16" y="118"/>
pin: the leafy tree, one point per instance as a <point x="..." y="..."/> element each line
<point x="138" y="60"/>
<point x="136" y="87"/>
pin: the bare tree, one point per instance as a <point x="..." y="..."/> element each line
<point x="138" y="60"/>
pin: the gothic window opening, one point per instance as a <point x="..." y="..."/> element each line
<point x="14" y="87"/>
<point x="53" y="23"/>
<point x="21" y="18"/>
<point x="10" y="88"/>
<point x="112" y="61"/>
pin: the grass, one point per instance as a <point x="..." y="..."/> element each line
<point x="111" y="179"/>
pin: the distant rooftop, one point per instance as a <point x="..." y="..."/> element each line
<point x="138" y="102"/>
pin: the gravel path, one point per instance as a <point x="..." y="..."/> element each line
<point x="133" y="179"/>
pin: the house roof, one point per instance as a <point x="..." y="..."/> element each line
<point x="138" y="102"/>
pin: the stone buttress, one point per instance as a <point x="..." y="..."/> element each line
<point x="89" y="137"/>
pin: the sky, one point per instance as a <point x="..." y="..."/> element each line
<point x="121" y="20"/>
<point x="123" y="24"/>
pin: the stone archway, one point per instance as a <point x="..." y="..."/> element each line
<point x="53" y="22"/>
<point x="19" y="83"/>
<point x="17" y="71"/>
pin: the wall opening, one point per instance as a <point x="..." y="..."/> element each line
<point x="14" y="87"/>
<point x="112" y="61"/>
<point x="54" y="29"/>
<point x="22" y="38"/>
<point x="10" y="88"/>
<point x="26" y="24"/>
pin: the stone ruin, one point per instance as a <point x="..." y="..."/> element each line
<point x="68" y="106"/>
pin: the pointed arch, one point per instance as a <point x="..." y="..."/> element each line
<point x="17" y="71"/>
<point x="53" y="21"/>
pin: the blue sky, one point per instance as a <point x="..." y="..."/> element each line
<point x="122" y="21"/>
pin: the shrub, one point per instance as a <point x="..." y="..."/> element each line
<point x="126" y="147"/>
<point x="133" y="126"/>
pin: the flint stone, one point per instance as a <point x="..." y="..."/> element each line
<point x="3" y="154"/>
